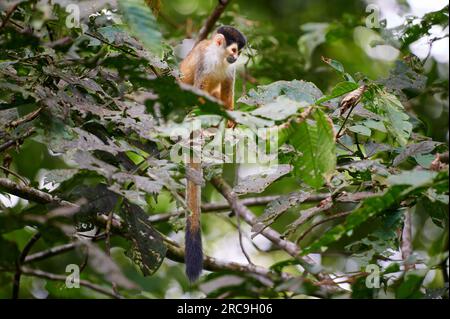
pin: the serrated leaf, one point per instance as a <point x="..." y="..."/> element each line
<point x="299" y="91"/>
<point x="277" y="207"/>
<point x="280" y="109"/>
<point x="339" y="90"/>
<point x="257" y="183"/>
<point x="410" y="285"/>
<point x="142" y="24"/>
<point x="414" y="178"/>
<point x="395" y="118"/>
<point x="360" y="129"/>
<point x="415" y="149"/>
<point x="148" y="250"/>
<point x="313" y="36"/>
<point x="316" y="143"/>
<point x="376" y="125"/>
<point x="370" y="207"/>
<point x="252" y="122"/>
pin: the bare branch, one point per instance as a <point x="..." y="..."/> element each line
<point x="320" y="222"/>
<point x="27" y="118"/>
<point x="9" y="14"/>
<point x="288" y="246"/>
<point x="85" y="283"/>
<point x="31" y="193"/>
<point x="212" y="19"/>
<point x="17" y="141"/>
<point x="20" y="261"/>
<point x="175" y="252"/>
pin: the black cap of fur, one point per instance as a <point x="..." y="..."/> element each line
<point x="232" y="35"/>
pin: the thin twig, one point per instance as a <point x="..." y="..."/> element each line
<point x="238" y="222"/>
<point x="84" y="283"/>
<point x="17" y="141"/>
<point x="19" y="263"/>
<point x="218" y="207"/>
<point x="57" y="250"/>
<point x="112" y="44"/>
<point x="336" y="216"/>
<point x="238" y="208"/>
<point x="175" y="251"/>
<point x="338" y="135"/>
<point x="212" y="19"/>
<point x="31" y="193"/>
<point x="9" y="14"/>
<point x="307" y="215"/>
<point x="7" y="170"/>
<point x="27" y="118"/>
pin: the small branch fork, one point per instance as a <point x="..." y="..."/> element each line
<point x="175" y="251"/>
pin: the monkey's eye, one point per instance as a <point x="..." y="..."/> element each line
<point x="234" y="50"/>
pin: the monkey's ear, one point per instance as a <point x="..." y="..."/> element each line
<point x="219" y="39"/>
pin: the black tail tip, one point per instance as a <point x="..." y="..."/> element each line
<point x="193" y="254"/>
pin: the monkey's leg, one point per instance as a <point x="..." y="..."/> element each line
<point x="227" y="97"/>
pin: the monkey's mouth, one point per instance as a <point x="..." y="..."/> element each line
<point x="231" y="59"/>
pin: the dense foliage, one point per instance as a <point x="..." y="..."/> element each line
<point x="87" y="115"/>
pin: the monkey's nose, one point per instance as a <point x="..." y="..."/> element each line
<point x="231" y="59"/>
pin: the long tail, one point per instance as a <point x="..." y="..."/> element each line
<point x="193" y="240"/>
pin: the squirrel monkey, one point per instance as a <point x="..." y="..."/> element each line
<point x="209" y="66"/>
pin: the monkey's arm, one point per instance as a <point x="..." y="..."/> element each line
<point x="227" y="92"/>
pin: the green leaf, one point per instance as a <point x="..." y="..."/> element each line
<point x="148" y="250"/>
<point x="340" y="89"/>
<point x="142" y="24"/>
<point x="252" y="122"/>
<point x="315" y="141"/>
<point x="10" y="253"/>
<point x="277" y="207"/>
<point x="334" y="64"/>
<point x="371" y="207"/>
<point x="179" y="98"/>
<point x="421" y="148"/>
<point x="368" y="208"/>
<point x="257" y="183"/>
<point x="413" y="178"/>
<point x="404" y="79"/>
<point x="314" y="35"/>
<point x="299" y="91"/>
<point x="360" y="129"/>
<point x="395" y="118"/>
<point x="410" y="285"/>
<point x="376" y="125"/>
<point x="280" y="109"/>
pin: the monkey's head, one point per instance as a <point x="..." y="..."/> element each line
<point x="231" y="40"/>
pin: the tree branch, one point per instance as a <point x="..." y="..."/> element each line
<point x="18" y="140"/>
<point x="320" y="222"/>
<point x="9" y="14"/>
<point x="85" y="283"/>
<point x="175" y="252"/>
<point x="288" y="246"/>
<point x="31" y="193"/>
<point x="259" y="201"/>
<point x="27" y="118"/>
<point x="19" y="262"/>
<point x="212" y="19"/>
